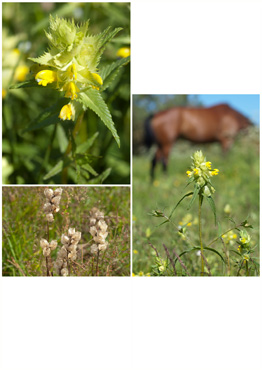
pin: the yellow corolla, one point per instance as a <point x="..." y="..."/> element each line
<point x="46" y="77"/>
<point x="67" y="112"/>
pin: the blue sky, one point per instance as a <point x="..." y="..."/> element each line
<point x="245" y="104"/>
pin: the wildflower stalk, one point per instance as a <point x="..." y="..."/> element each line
<point x="200" y="234"/>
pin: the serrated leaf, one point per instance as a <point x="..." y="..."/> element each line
<point x="186" y="195"/>
<point x="29" y="83"/>
<point x="104" y="38"/>
<point x="213" y="207"/>
<point x="93" y="100"/>
<point x="82" y="148"/>
<point x="109" y="72"/>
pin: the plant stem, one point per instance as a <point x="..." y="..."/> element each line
<point x="69" y="146"/>
<point x="200" y="234"/>
<point x="247" y="270"/>
<point x="97" y="271"/>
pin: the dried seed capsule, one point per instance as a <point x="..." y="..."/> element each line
<point x="56" y="200"/>
<point x="44" y="243"/>
<point x="102" y="225"/>
<point x="46" y="251"/>
<point x="58" y="191"/>
<point x="102" y="247"/>
<point x="71" y="231"/>
<point x="65" y="239"/>
<point x="53" y="245"/>
<point x="76" y="237"/>
<point x="93" y="230"/>
<point x="50" y="217"/>
<point x="64" y="272"/>
<point x="94" y="249"/>
<point x="92" y="221"/>
<point x="49" y="193"/>
<point x="47" y="207"/>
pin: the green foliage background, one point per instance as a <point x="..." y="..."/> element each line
<point x="24" y="151"/>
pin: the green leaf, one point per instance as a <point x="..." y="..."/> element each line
<point x="62" y="139"/>
<point x="48" y="117"/>
<point x="103" y="39"/>
<point x="82" y="148"/>
<point x="101" y="178"/>
<point x="93" y="100"/>
<point x="196" y="191"/>
<point x="213" y="207"/>
<point x="216" y="252"/>
<point x="186" y="195"/>
<point x="29" y="83"/>
<point x="55" y="170"/>
<point x="88" y="168"/>
<point x="109" y="72"/>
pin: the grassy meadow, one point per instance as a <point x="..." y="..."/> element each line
<point x="236" y="199"/>
<point x="24" y="224"/>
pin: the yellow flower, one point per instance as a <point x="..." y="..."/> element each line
<point x="188" y="173"/>
<point x="123" y="52"/>
<point x="67" y="112"/>
<point x="72" y="71"/>
<point x="4" y="92"/>
<point x="46" y="77"/>
<point x="214" y="172"/>
<point x="196" y="171"/>
<point x="135" y="251"/>
<point x="21" y="72"/>
<point x="71" y="90"/>
<point x="208" y="165"/>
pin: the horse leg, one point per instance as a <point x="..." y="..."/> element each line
<point x="166" y="152"/>
<point x="226" y="143"/>
<point x="156" y="158"/>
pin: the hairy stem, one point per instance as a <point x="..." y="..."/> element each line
<point x="69" y="146"/>
<point x="200" y="234"/>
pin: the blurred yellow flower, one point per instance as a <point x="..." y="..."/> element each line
<point x="123" y="52"/>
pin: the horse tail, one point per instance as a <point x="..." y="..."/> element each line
<point x="149" y="136"/>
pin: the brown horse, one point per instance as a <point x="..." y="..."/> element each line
<point x="199" y="125"/>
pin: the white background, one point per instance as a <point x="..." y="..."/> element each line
<point x="152" y="323"/>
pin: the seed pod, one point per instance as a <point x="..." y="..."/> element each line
<point x="49" y="193"/>
<point x="44" y="243"/>
<point x="56" y="200"/>
<point x="102" y="225"/>
<point x="94" y="249"/>
<point x="102" y="247"/>
<point x="71" y="231"/>
<point x="76" y="237"/>
<point x="47" y="207"/>
<point x="46" y="251"/>
<point x="58" y="191"/>
<point x="93" y="230"/>
<point x="64" y="239"/>
<point x="50" y="217"/>
<point x="53" y="245"/>
<point x="92" y="221"/>
<point x="64" y="272"/>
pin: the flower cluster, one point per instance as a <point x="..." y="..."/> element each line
<point x="229" y="238"/>
<point x="47" y="247"/>
<point x="71" y="64"/>
<point x="68" y="252"/>
<point x="201" y="172"/>
<point x="244" y="244"/>
<point x="98" y="230"/>
<point x="52" y="202"/>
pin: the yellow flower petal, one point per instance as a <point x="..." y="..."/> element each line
<point x="71" y="90"/>
<point x="66" y="112"/>
<point x="123" y="52"/>
<point x="46" y="77"/>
